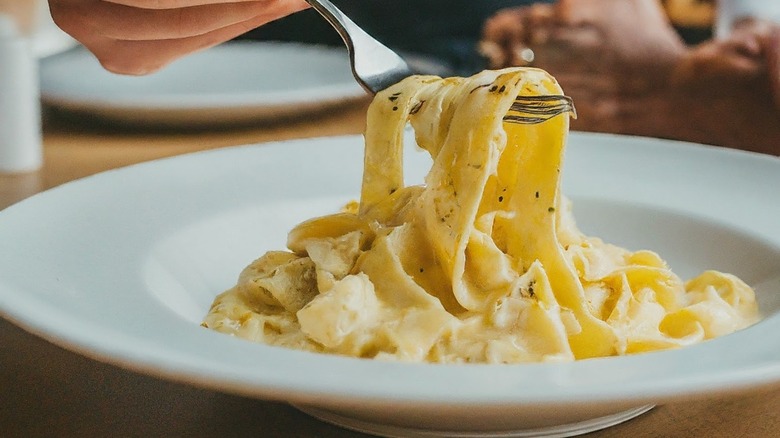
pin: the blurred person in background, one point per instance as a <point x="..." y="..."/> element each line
<point x="630" y="72"/>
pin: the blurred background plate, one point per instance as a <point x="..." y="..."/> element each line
<point x="234" y="83"/>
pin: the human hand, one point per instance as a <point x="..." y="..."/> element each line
<point x="749" y="55"/>
<point x="141" y="36"/>
<point x="587" y="40"/>
<point x="730" y="88"/>
<point x="629" y="73"/>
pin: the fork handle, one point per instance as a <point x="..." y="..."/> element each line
<point x="343" y="24"/>
<point x="369" y="65"/>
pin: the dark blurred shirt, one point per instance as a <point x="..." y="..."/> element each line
<point x="441" y="31"/>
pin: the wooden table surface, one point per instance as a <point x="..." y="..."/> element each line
<point x="48" y="391"/>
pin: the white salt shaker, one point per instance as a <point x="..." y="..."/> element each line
<point x="20" y="109"/>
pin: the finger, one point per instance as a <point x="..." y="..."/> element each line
<point x="147" y="24"/>
<point x="499" y="27"/>
<point x="144" y="57"/>
<point x="574" y="12"/>
<point x="170" y="4"/>
<point x="539" y="23"/>
<point x="500" y="33"/>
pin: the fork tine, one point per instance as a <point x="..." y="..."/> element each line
<point x="531" y="110"/>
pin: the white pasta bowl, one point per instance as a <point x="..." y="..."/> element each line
<point x="122" y="266"/>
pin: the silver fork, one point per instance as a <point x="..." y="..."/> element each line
<point x="377" y="67"/>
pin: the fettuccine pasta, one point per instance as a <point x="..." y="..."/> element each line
<point x="482" y="263"/>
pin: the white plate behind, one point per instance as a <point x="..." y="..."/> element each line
<point x="236" y="82"/>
